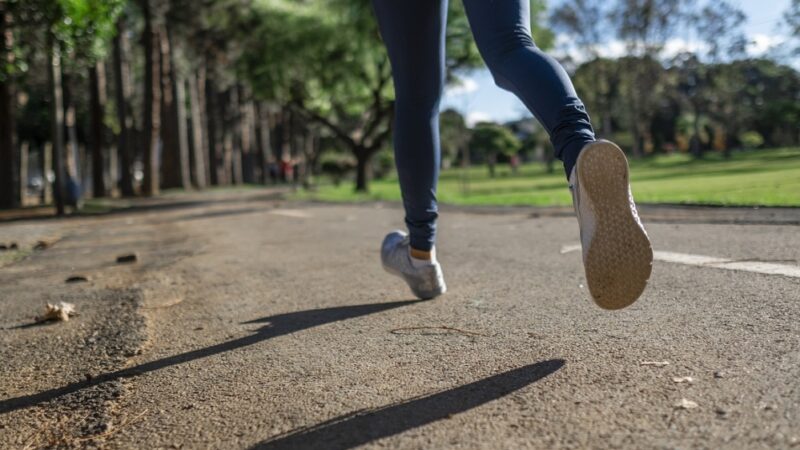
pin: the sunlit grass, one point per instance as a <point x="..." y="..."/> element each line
<point x="763" y="177"/>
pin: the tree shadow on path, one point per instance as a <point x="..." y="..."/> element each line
<point x="362" y="427"/>
<point x="275" y="326"/>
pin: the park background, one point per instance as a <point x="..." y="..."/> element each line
<point x="101" y="100"/>
<point x="212" y="309"/>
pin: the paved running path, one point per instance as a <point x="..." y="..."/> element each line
<point x="253" y="323"/>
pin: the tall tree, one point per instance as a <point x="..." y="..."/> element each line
<point x="587" y="22"/>
<point x="719" y="26"/>
<point x="454" y="136"/>
<point x="152" y="97"/>
<point x="328" y="64"/>
<point x="57" y="121"/>
<point x="97" y="82"/>
<point x="645" y="26"/>
<point x="9" y="196"/>
<point x="199" y="153"/>
<point x="122" y="95"/>
<point x="175" y="153"/>
<point x="792" y="19"/>
<point x="213" y="135"/>
<point x="491" y="140"/>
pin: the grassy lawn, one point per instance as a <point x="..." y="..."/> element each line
<point x="763" y="177"/>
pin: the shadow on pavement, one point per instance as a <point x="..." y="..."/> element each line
<point x="275" y="326"/>
<point x="365" y="426"/>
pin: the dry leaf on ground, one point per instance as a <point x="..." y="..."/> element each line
<point x="654" y="363"/>
<point x="683" y="379"/>
<point x="686" y="404"/>
<point x="61" y="311"/>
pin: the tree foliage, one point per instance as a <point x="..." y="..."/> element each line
<point x="491" y="140"/>
<point x="254" y="90"/>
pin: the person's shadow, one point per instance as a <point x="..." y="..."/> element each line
<point x="361" y="427"/>
<point x="277" y="325"/>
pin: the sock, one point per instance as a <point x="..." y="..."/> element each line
<point x="422" y="262"/>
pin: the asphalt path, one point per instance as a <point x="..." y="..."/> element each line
<point x="254" y="323"/>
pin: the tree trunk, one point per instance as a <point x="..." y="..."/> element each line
<point x="152" y="96"/>
<point x="362" y="169"/>
<point x="633" y="69"/>
<point x="311" y="153"/>
<point x="550" y="158"/>
<point x="226" y="169"/>
<point x="174" y="163"/>
<point x="233" y="146"/>
<point x="74" y="182"/>
<point x="122" y="90"/>
<point x="112" y="163"/>
<point x="47" y="166"/>
<point x="23" y="172"/>
<point x="608" y="128"/>
<point x="57" y="122"/>
<point x="296" y="140"/>
<point x="695" y="146"/>
<point x="262" y="141"/>
<point x="285" y="148"/>
<point x="605" y="96"/>
<point x="247" y="133"/>
<point x="8" y="163"/>
<point x="228" y="162"/>
<point x="85" y="165"/>
<point x="97" y="83"/>
<point x="212" y="119"/>
<point x="201" y="100"/>
<point x="183" y="130"/>
<point x="199" y="147"/>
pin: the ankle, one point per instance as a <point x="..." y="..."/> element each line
<point x="421" y="258"/>
<point x="421" y="254"/>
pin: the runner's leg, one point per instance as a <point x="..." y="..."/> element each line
<point x="414" y="32"/>
<point x="502" y="32"/>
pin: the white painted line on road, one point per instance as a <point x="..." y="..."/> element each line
<point x="291" y="213"/>
<point x="685" y="258"/>
<point x="570" y="248"/>
<point x="766" y="268"/>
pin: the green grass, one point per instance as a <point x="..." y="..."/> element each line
<point x="763" y="177"/>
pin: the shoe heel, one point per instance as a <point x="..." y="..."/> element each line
<point x="619" y="260"/>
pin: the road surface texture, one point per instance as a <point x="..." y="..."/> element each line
<point x="250" y="322"/>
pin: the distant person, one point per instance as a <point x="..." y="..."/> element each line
<point x="616" y="250"/>
<point x="72" y="193"/>
<point x="287" y="169"/>
<point x="274" y="172"/>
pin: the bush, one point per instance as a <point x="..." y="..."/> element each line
<point x="337" y="166"/>
<point x="383" y="164"/>
<point x="751" y="139"/>
<point x="624" y="139"/>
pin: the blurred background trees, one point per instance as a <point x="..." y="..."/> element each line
<point x="124" y="98"/>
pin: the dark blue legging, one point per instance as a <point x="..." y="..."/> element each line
<point x="414" y="33"/>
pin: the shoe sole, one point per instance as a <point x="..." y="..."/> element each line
<point x="619" y="260"/>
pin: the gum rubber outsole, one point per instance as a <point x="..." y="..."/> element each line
<point x="619" y="260"/>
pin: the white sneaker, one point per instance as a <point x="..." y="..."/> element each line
<point x="426" y="281"/>
<point x="617" y="254"/>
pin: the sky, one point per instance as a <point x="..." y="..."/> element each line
<point x="479" y="99"/>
